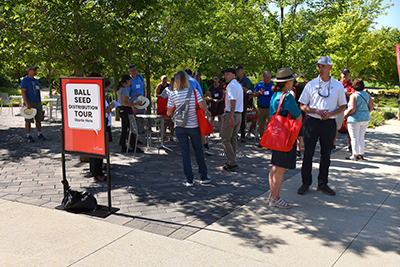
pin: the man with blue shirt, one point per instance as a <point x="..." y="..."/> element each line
<point x="263" y="92"/>
<point x="194" y="84"/>
<point x="137" y="87"/>
<point x="30" y="89"/>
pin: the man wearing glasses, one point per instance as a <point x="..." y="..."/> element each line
<point x="322" y="99"/>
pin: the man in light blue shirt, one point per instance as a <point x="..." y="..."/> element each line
<point x="194" y="84"/>
<point x="137" y="87"/>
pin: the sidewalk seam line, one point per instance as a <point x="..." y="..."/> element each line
<point x="354" y="239"/>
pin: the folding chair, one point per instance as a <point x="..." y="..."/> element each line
<point x="5" y="100"/>
<point x="133" y="129"/>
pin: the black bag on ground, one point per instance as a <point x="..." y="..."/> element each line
<point x="79" y="201"/>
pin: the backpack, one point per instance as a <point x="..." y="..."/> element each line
<point x="181" y="113"/>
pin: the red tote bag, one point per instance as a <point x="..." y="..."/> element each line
<point x="281" y="132"/>
<point x="205" y="126"/>
<point x="162" y="106"/>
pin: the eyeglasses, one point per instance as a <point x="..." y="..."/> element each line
<point x="319" y="88"/>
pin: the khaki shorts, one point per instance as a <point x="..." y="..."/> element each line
<point x="39" y="114"/>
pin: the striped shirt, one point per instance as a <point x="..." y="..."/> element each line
<point x="177" y="97"/>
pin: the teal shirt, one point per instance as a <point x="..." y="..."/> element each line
<point x="362" y="111"/>
<point x="288" y="105"/>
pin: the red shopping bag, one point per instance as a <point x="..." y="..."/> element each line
<point x="205" y="126"/>
<point x="281" y="132"/>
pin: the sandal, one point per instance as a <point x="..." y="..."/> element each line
<point x="280" y="203"/>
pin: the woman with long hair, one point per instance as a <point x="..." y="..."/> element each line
<point x="126" y="108"/>
<point x="281" y="161"/>
<point x="191" y="131"/>
<point x="357" y="115"/>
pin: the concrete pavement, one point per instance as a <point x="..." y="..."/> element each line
<point x="225" y="224"/>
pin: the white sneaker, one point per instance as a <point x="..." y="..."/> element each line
<point x="186" y="183"/>
<point x="207" y="181"/>
<point x="208" y="152"/>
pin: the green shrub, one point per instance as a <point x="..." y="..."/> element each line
<point x="377" y="119"/>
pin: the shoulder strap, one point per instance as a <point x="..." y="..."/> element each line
<point x="280" y="104"/>
<point x="362" y="98"/>
<point x="197" y="104"/>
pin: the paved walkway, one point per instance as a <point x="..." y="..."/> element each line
<point x="163" y="223"/>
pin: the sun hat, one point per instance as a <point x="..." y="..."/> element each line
<point x="283" y="75"/>
<point x="28" y="113"/>
<point x="324" y="60"/>
<point x="143" y="99"/>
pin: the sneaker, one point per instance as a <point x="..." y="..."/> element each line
<point x="208" y="152"/>
<point x="206" y="181"/>
<point x="324" y="188"/>
<point x="360" y="157"/>
<point x="303" y="189"/>
<point x="30" y="139"/>
<point x="231" y="168"/>
<point x="41" y="137"/>
<point x="352" y="158"/>
<point x="248" y="136"/>
<point x="187" y="184"/>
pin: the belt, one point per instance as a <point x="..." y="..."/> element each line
<point x="234" y="112"/>
<point x="319" y="119"/>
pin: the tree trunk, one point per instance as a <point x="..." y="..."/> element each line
<point x="148" y="85"/>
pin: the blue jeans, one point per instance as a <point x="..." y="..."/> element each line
<point x="183" y="135"/>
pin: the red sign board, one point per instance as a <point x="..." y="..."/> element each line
<point x="83" y="110"/>
<point x="398" y="59"/>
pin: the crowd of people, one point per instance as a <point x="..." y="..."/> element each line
<point x="322" y="104"/>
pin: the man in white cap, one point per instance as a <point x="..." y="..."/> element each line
<point x="322" y="99"/>
<point x="30" y="89"/>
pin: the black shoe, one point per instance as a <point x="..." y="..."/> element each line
<point x="234" y="168"/>
<point x="324" y="188"/>
<point x="41" y="137"/>
<point x="303" y="189"/>
<point x="30" y="139"/>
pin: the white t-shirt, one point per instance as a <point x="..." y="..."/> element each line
<point x="234" y="91"/>
<point x="314" y="92"/>
<point x="177" y="97"/>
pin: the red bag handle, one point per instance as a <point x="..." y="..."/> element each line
<point x="197" y="105"/>
<point x="280" y="104"/>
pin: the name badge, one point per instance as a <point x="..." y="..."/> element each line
<point x="216" y="95"/>
<point x="137" y="86"/>
<point x="266" y="92"/>
<point x="37" y="87"/>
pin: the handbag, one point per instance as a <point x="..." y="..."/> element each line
<point x="76" y="201"/>
<point x="162" y="106"/>
<point x="281" y="132"/>
<point x="205" y="126"/>
<point x="181" y="114"/>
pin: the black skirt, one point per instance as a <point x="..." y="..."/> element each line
<point x="285" y="160"/>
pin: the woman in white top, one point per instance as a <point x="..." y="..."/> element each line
<point x="191" y="130"/>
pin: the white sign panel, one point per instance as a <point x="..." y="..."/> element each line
<point x="83" y="106"/>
